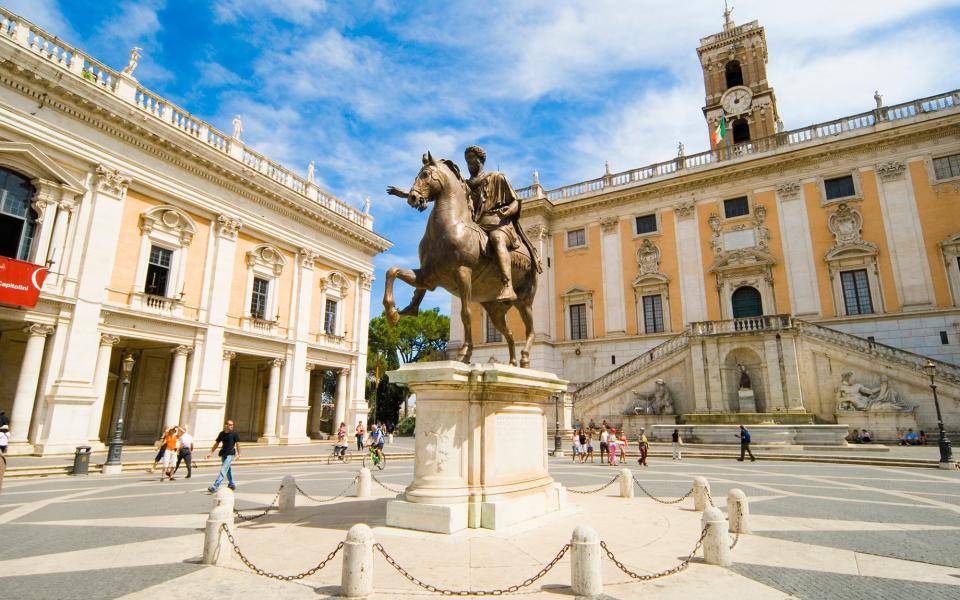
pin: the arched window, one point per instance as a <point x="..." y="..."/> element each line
<point x="17" y="219"/>
<point x="741" y="131"/>
<point x="746" y="302"/>
<point x="734" y="74"/>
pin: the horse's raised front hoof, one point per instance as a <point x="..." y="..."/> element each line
<point x="393" y="317"/>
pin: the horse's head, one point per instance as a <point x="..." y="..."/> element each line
<point x="431" y="180"/>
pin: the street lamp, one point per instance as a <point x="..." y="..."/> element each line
<point x="113" y="464"/>
<point x="557" y="442"/>
<point x="946" y="453"/>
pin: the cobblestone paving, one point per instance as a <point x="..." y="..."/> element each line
<point x="900" y="514"/>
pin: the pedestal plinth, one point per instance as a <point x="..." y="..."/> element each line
<point x="746" y="401"/>
<point x="481" y="447"/>
<point x="886" y="426"/>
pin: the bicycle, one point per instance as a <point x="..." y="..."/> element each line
<point x="378" y="460"/>
<point x="336" y="456"/>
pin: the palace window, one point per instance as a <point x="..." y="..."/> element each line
<point x="856" y="292"/>
<point x="259" y="298"/>
<point x="17" y="219"/>
<point x="578" y="321"/>
<point x="576" y="238"/>
<point x="492" y="335"/>
<point x="946" y="167"/>
<point x="736" y="207"/>
<point x="330" y="317"/>
<point x="741" y="131"/>
<point x="158" y="271"/>
<point x="734" y="74"/>
<point x="653" y="314"/>
<point x="646" y="224"/>
<point x="839" y="187"/>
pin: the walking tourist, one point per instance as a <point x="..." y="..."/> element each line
<point x="171" y="440"/>
<point x="604" y="439"/>
<point x="589" y="448"/>
<point x="4" y="438"/>
<point x="359" y="432"/>
<point x="612" y="448"/>
<point x="185" y="454"/>
<point x="622" y="445"/>
<point x="677" y="442"/>
<point x="644" y="448"/>
<point x="745" y="443"/>
<point x="575" y="445"/>
<point x="582" y="438"/>
<point x="229" y="452"/>
<point x="160" y="451"/>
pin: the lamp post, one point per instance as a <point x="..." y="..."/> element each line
<point x="946" y="452"/>
<point x="557" y="442"/>
<point x="113" y="465"/>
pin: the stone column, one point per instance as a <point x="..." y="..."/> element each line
<point x="693" y="293"/>
<point x="614" y="311"/>
<point x="273" y="402"/>
<point x="308" y="373"/>
<point x="27" y="382"/>
<point x="340" y="402"/>
<point x="357" y="399"/>
<point x="228" y="356"/>
<point x="178" y="370"/>
<point x="100" y="379"/>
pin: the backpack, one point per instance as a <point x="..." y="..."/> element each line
<point x="745" y="437"/>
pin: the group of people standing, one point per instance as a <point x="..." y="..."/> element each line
<point x="175" y="447"/>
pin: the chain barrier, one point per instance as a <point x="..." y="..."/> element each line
<point x="710" y="498"/>
<point x="266" y="509"/>
<point x="498" y="592"/>
<point x="259" y="571"/>
<point x="385" y="486"/>
<point x="661" y="500"/>
<point x="342" y="494"/>
<point x="594" y="491"/>
<point x="672" y="571"/>
<point x="736" y="536"/>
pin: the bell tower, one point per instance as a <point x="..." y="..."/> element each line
<point x="734" y="65"/>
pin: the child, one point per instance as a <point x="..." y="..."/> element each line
<point x="589" y="448"/>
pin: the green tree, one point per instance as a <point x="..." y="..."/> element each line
<point x="413" y="339"/>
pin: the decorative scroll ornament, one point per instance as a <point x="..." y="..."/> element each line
<point x="685" y="210"/>
<point x="168" y="219"/>
<point x="267" y="256"/>
<point x="648" y="257"/>
<point x="763" y="233"/>
<point x="335" y="280"/>
<point x="609" y="223"/>
<point x="846" y="224"/>
<point x="308" y="258"/>
<point x="789" y="190"/>
<point x="536" y="232"/>
<point x="228" y="227"/>
<point x="715" y="242"/>
<point x="366" y="281"/>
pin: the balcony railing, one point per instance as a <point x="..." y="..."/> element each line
<point x="17" y="30"/>
<point x="743" y="325"/>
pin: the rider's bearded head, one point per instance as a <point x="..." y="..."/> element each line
<point x="479" y="154"/>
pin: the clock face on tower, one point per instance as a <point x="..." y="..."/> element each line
<point x="736" y="100"/>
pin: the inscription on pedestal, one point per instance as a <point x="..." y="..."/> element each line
<point x="518" y="439"/>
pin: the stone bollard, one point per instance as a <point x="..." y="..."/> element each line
<point x="356" y="580"/>
<point x="626" y="483"/>
<point x="716" y="544"/>
<point x="216" y="546"/>
<point x="701" y="493"/>
<point x="226" y="497"/>
<point x="585" y="576"/>
<point x="738" y="511"/>
<point x="288" y="494"/>
<point x="363" y="483"/>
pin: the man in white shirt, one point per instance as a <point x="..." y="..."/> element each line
<point x="604" y="443"/>
<point x="185" y="452"/>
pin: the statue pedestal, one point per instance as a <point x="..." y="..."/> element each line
<point x="886" y="426"/>
<point x="746" y="401"/>
<point x="481" y="447"/>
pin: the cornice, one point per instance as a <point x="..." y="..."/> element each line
<point x="124" y="122"/>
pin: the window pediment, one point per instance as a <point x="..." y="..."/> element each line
<point x="335" y="281"/>
<point x="31" y="162"/>
<point x="851" y="250"/>
<point x="169" y="220"/>
<point x="745" y="258"/>
<point x="267" y="257"/>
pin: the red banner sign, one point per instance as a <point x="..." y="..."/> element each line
<point x="20" y="282"/>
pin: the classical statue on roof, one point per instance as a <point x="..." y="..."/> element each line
<point x="474" y="247"/>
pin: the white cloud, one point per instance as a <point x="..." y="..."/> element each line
<point x="293" y="11"/>
<point x="214" y="74"/>
<point x="46" y="14"/>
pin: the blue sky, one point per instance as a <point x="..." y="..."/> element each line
<point x="364" y="87"/>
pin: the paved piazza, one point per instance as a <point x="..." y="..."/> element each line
<point x="820" y="530"/>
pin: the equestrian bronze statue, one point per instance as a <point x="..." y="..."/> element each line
<point x="473" y="247"/>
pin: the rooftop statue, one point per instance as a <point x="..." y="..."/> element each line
<point x="473" y="247"/>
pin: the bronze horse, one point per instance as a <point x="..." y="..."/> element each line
<point x="453" y="256"/>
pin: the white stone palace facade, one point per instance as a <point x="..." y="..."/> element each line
<point x="233" y="282"/>
<point x="852" y="225"/>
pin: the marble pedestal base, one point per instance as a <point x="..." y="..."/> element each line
<point x="481" y="447"/>
<point x="886" y="426"/>
<point x="746" y="401"/>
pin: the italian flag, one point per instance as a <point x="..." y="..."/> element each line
<point x="720" y="132"/>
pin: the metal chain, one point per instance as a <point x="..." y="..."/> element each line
<point x="683" y="564"/>
<point x="498" y="592"/>
<point x="350" y="486"/>
<point x="385" y="486"/>
<point x="259" y="571"/>
<point x="266" y="509"/>
<point x="709" y="497"/>
<point x="736" y="536"/>
<point x="594" y="491"/>
<point x="661" y="500"/>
